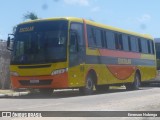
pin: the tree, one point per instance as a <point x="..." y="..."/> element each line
<point x="30" y="15"/>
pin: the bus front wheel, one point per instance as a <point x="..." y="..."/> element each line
<point x="88" y="88"/>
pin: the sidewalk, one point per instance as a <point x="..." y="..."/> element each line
<point x="11" y="93"/>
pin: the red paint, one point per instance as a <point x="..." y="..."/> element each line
<point x="121" y="72"/>
<point x="85" y="33"/>
<point x="120" y="54"/>
<point x="59" y="81"/>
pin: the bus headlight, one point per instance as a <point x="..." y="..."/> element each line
<point x="14" y="74"/>
<point x="59" y="71"/>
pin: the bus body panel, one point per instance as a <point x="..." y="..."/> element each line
<point x="111" y="66"/>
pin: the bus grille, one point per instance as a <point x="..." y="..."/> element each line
<point x="41" y="82"/>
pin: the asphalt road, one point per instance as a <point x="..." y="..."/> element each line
<point x="145" y="99"/>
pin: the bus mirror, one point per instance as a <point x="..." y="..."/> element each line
<point x="8" y="42"/>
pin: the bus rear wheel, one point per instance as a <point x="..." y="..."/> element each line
<point x="136" y="84"/>
<point x="88" y="88"/>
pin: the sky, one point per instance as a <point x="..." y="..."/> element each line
<point x="140" y="16"/>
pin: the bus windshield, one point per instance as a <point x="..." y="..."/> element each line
<point x="40" y="42"/>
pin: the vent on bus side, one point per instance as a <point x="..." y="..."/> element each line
<point x="35" y="66"/>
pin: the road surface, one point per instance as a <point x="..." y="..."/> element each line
<point x="145" y="99"/>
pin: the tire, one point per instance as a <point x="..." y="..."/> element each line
<point x="136" y="84"/>
<point x="46" y="91"/>
<point x="88" y="88"/>
<point x="102" y="88"/>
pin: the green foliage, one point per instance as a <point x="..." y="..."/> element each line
<point x="30" y="15"/>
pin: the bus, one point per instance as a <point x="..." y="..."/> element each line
<point x="70" y="53"/>
<point x="157" y="48"/>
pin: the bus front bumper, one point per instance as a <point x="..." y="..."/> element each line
<point x="55" y="82"/>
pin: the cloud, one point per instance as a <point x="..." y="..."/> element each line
<point x="45" y="6"/>
<point x="144" y="18"/>
<point x="77" y="2"/>
<point x="95" y="9"/>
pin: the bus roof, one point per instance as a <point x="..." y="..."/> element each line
<point x="90" y="22"/>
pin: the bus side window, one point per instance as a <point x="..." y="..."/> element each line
<point x="139" y="45"/>
<point x="134" y="44"/>
<point x="98" y="38"/>
<point x="91" y="36"/>
<point x="152" y="47"/>
<point x="129" y="43"/>
<point x="144" y="46"/>
<point x="110" y="40"/>
<point x="118" y="41"/>
<point x="149" y="47"/>
<point x="79" y="30"/>
<point x="125" y="42"/>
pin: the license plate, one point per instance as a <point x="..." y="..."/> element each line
<point x="34" y="81"/>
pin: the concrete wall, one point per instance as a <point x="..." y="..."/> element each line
<point x="4" y="66"/>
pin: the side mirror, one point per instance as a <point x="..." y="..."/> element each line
<point x="10" y="42"/>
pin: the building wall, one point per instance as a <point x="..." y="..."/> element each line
<point x="4" y="66"/>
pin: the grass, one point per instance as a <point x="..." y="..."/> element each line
<point x="6" y="91"/>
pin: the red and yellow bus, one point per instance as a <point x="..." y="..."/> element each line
<point x="62" y="53"/>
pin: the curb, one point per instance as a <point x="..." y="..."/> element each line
<point x="15" y="94"/>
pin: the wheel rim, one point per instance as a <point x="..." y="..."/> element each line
<point x="137" y="81"/>
<point x="89" y="84"/>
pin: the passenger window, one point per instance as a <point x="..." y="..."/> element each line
<point x="151" y="46"/>
<point x="134" y="44"/>
<point x="125" y="42"/>
<point x="139" y="45"/>
<point x="98" y="37"/>
<point x="120" y="44"/>
<point x="144" y="46"/>
<point x="94" y="37"/>
<point x="91" y="37"/>
<point x="110" y="40"/>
